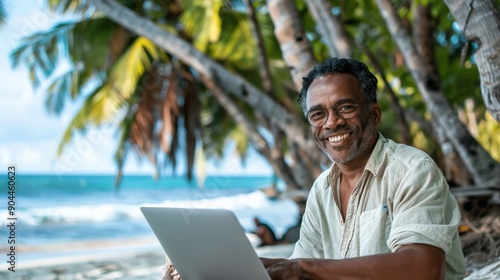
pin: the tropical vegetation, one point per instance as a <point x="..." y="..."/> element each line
<point x="196" y="75"/>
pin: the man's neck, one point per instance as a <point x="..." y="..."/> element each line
<point x="354" y="169"/>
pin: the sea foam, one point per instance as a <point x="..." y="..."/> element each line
<point x="254" y="203"/>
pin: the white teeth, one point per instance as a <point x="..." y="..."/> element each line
<point x="338" y="138"/>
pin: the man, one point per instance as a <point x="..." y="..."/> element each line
<point x="382" y="210"/>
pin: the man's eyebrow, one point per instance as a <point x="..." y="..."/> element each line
<point x="340" y="102"/>
<point x="315" y="107"/>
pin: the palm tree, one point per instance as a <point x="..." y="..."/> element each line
<point x="122" y="78"/>
<point x="193" y="64"/>
<point x="483" y="168"/>
<point x="138" y="84"/>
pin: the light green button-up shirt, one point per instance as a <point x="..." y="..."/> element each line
<point x="402" y="198"/>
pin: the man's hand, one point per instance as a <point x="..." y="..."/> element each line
<point x="270" y="262"/>
<point x="283" y="268"/>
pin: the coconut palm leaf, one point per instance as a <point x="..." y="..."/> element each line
<point x="228" y="42"/>
<point x="78" y="42"/>
<point x="201" y="20"/>
<point x="46" y="43"/>
<point x="235" y="44"/>
<point x="67" y="82"/>
<point x="106" y="102"/>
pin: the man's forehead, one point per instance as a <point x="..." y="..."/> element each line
<point x="330" y="82"/>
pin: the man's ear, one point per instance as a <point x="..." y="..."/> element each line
<point x="376" y="113"/>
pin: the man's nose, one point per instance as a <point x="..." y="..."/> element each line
<point x="332" y="120"/>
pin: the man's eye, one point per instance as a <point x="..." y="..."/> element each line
<point x="316" y="115"/>
<point x="346" y="108"/>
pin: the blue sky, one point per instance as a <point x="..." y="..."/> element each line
<point x="29" y="134"/>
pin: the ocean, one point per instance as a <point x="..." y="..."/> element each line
<point x="51" y="209"/>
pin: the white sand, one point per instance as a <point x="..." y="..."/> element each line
<point x="132" y="258"/>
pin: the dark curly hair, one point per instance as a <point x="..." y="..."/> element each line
<point x="332" y="65"/>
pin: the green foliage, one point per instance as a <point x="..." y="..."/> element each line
<point x="235" y="44"/>
<point x="202" y="21"/>
<point x="217" y="126"/>
<point x="105" y="103"/>
<point x="266" y="28"/>
<point x="107" y="63"/>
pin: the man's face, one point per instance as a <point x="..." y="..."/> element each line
<point x="344" y="141"/>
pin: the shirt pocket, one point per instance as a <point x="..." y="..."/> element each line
<point x="374" y="229"/>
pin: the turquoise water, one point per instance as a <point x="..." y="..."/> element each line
<point x="52" y="208"/>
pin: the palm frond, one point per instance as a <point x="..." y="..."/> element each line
<point x="76" y="42"/>
<point x="106" y="102"/>
<point x="58" y="90"/>
<point x="42" y="51"/>
<point x="235" y="45"/>
<point x="201" y="20"/>
<point x="217" y="126"/>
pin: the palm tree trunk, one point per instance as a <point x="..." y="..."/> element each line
<point x="275" y="160"/>
<point x="484" y="170"/>
<point x="454" y="169"/>
<point x="294" y="128"/>
<point x="289" y="30"/>
<point x="265" y="73"/>
<point x="480" y="23"/>
<point x="298" y="55"/>
<point x="330" y="28"/>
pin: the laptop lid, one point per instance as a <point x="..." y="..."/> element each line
<point x="205" y="243"/>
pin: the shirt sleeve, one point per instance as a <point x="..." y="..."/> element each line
<point x="309" y="243"/>
<point x="424" y="211"/>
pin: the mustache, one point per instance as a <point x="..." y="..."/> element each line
<point x="352" y="128"/>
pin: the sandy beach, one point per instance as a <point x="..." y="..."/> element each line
<point x="132" y="258"/>
<point x="128" y="259"/>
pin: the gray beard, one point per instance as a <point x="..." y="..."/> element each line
<point x="357" y="149"/>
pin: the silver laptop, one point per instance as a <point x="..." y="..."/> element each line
<point x="205" y="243"/>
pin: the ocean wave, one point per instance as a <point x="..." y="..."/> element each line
<point x="255" y="201"/>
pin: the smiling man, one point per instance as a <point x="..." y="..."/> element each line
<point x="382" y="210"/>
